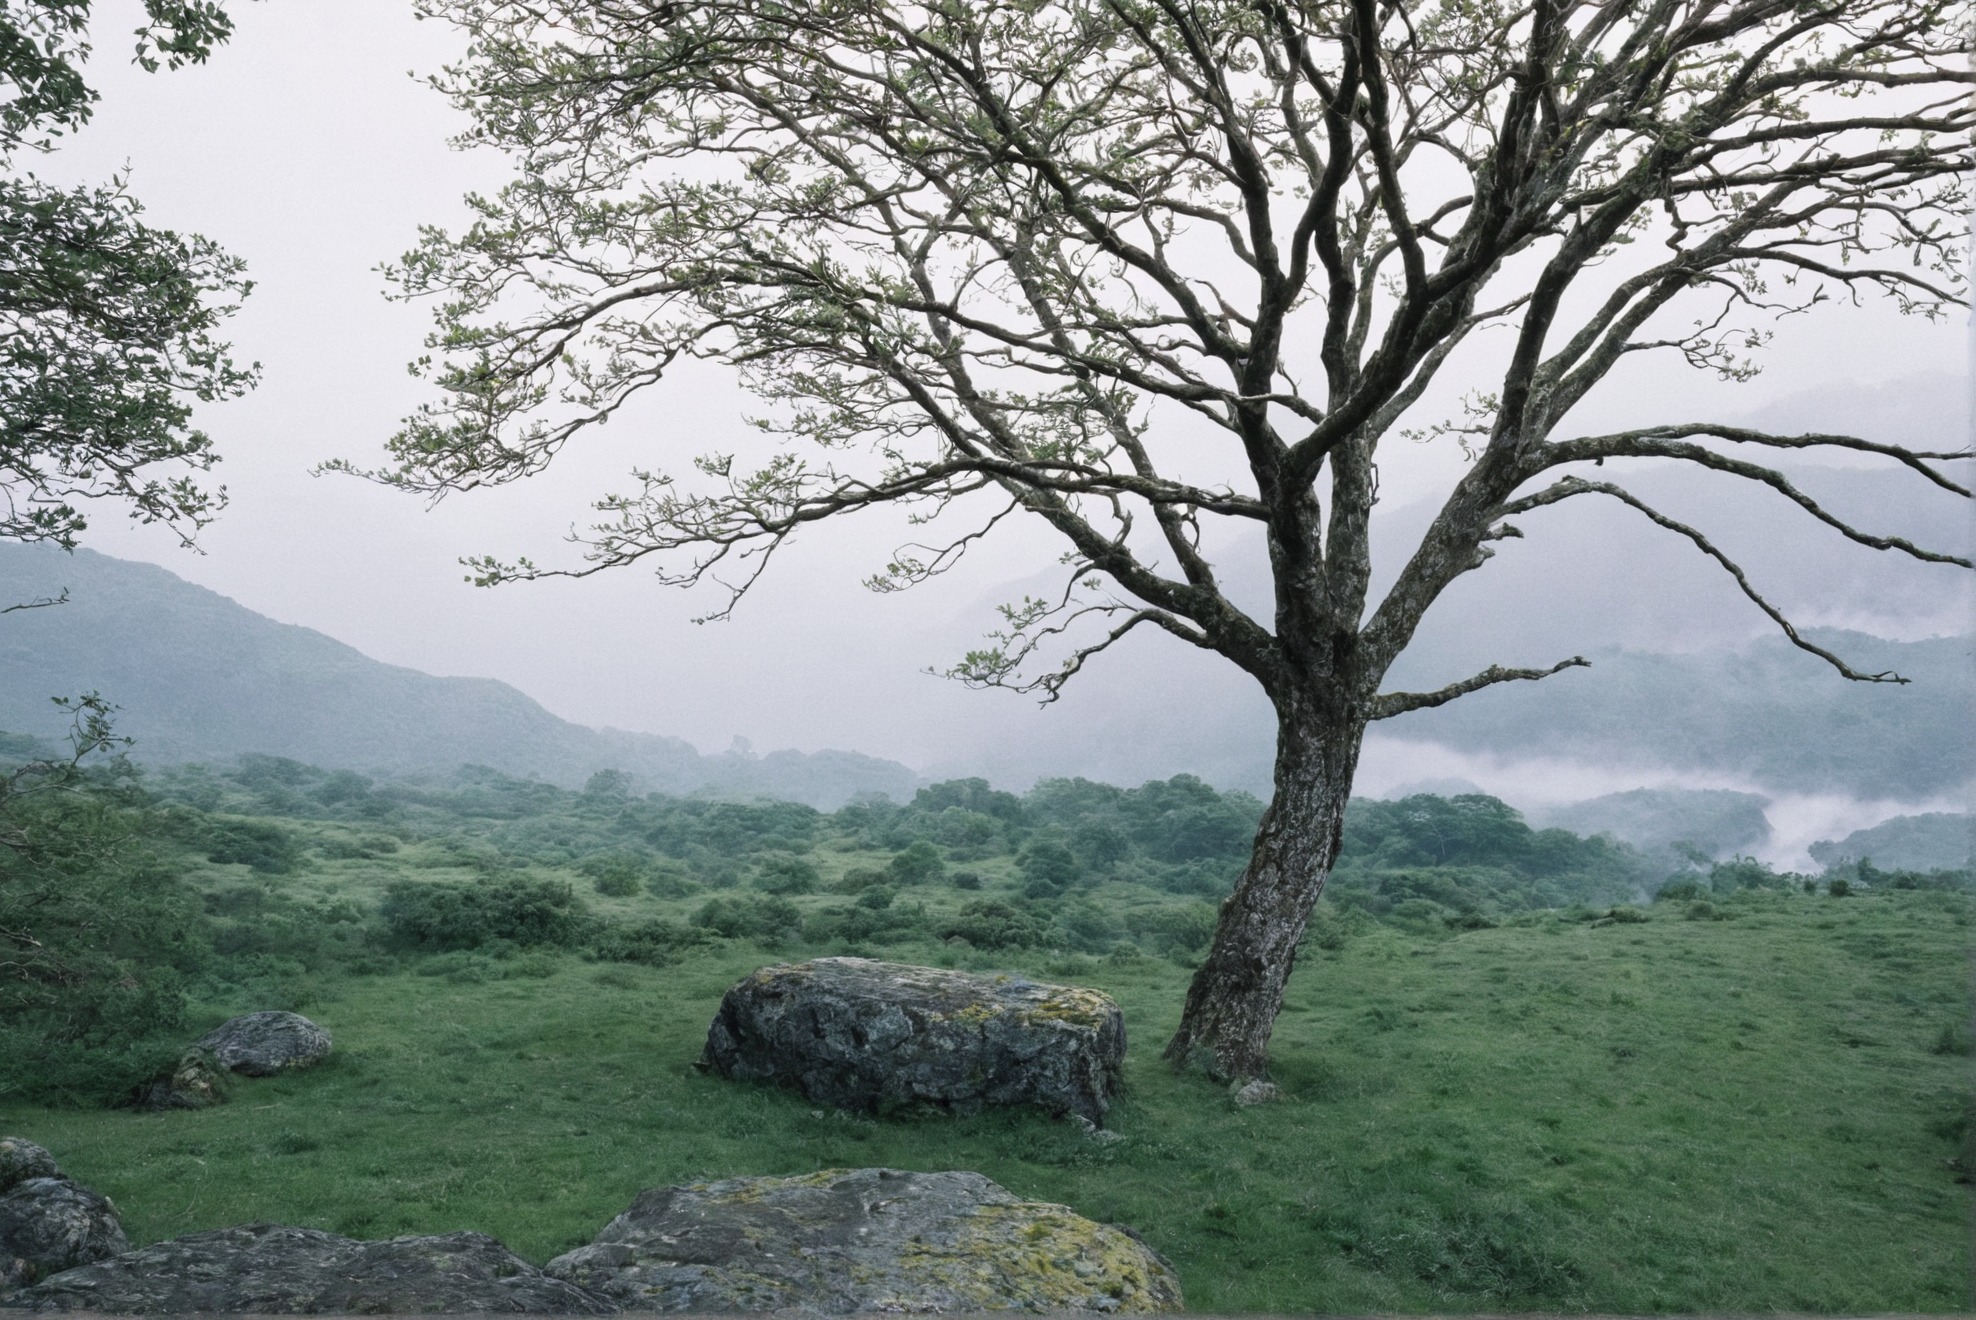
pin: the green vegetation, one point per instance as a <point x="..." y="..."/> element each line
<point x="1514" y="1082"/>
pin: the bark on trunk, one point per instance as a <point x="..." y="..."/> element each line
<point x="1238" y="991"/>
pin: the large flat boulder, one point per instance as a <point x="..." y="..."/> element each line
<point x="865" y="1240"/>
<point x="268" y="1269"/>
<point x="263" y="1044"/>
<point x="857" y="1034"/>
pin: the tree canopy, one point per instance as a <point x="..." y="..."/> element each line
<point x="108" y="326"/>
<point x="1137" y="267"/>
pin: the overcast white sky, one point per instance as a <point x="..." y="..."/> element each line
<point x="307" y="148"/>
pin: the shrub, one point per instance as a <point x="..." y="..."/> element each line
<point x="266" y="848"/>
<point x="615" y="875"/>
<point x="668" y="882"/>
<point x="99" y="940"/>
<point x="617" y="884"/>
<point x="654" y="943"/>
<point x="1745" y="873"/>
<point x="916" y="865"/>
<point x="744" y="916"/>
<point x="994" y="925"/>
<point x="517" y="909"/>
<point x="1684" y="890"/>
<point x="787" y="875"/>
<point x="869" y="919"/>
<point x="965" y="880"/>
<point x="1086" y="927"/>
<point x="1048" y="868"/>
<point x="1838" y="886"/>
<point x="1174" y="928"/>
<point x="860" y="878"/>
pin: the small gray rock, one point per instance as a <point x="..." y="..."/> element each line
<point x="852" y="1033"/>
<point x="865" y="1240"/>
<point x="263" y="1044"/>
<point x="272" y="1270"/>
<point x="1255" y="1091"/>
<point x="48" y="1225"/>
<point x="21" y="1159"/>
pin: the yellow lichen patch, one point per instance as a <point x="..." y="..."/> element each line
<point x="1035" y="1256"/>
<point x="1088" y="1008"/>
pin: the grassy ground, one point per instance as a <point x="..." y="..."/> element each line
<point x="1767" y="1112"/>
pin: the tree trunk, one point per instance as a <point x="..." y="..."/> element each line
<point x="1237" y="993"/>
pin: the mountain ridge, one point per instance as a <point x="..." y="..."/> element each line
<point x="199" y="677"/>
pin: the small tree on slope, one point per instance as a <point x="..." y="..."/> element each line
<point x="990" y="257"/>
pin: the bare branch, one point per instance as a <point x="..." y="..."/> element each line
<point x="1571" y="486"/>
<point x="1388" y="704"/>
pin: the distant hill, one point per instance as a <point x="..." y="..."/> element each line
<point x="1661" y="821"/>
<point x="1765" y="710"/>
<point x="200" y="678"/>
<point x="1937" y="841"/>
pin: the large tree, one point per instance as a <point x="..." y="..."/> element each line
<point x="1129" y="268"/>
<point x="107" y="325"/>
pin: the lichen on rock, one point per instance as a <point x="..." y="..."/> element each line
<point x="858" y="1034"/>
<point x="269" y="1269"/>
<point x="865" y="1240"/>
<point x="263" y="1044"/>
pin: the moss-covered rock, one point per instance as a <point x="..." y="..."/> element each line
<point x="196" y="1081"/>
<point x="857" y="1034"/>
<point x="865" y="1240"/>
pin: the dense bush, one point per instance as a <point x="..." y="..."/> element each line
<point x="1181" y="928"/>
<point x="1048" y="868"/>
<point x="788" y="875"/>
<point x="259" y="844"/>
<point x="616" y="874"/>
<point x="917" y="864"/>
<point x="517" y="909"/>
<point x="989" y="924"/>
<point x="746" y="916"/>
<point x="100" y="940"/>
<point x="655" y="942"/>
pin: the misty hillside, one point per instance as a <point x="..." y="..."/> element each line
<point x="200" y="678"/>
<point x="1765" y="710"/>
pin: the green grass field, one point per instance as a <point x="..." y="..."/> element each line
<point x="1767" y="1112"/>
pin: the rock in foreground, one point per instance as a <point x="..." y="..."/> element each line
<point x="49" y="1223"/>
<point x="21" y="1159"/>
<point x="271" y="1270"/>
<point x="263" y="1044"/>
<point x="864" y="1240"/>
<point x="858" y="1034"/>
